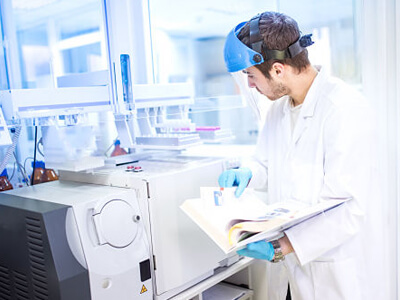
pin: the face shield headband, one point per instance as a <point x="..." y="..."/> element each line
<point x="238" y="56"/>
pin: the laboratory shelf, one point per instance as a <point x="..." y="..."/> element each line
<point x="212" y="286"/>
<point x="226" y="291"/>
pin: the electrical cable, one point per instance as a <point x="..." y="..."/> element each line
<point x="21" y="169"/>
<point x="29" y="157"/>
<point x="13" y="172"/>
<point x="40" y="142"/>
<point x="34" y="156"/>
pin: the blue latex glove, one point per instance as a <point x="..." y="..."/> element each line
<point x="235" y="177"/>
<point x="258" y="250"/>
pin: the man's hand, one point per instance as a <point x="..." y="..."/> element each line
<point x="259" y="250"/>
<point x="235" y="177"/>
<point x="265" y="250"/>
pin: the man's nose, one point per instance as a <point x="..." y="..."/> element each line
<point x="250" y="83"/>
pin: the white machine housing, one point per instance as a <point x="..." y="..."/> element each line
<point x="183" y="254"/>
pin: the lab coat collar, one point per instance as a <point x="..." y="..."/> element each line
<point x="311" y="98"/>
<point x="308" y="108"/>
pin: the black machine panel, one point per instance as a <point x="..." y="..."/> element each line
<point x="35" y="259"/>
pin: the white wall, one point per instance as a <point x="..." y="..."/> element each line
<point x="381" y="73"/>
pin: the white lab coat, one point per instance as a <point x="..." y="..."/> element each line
<point x="328" y="156"/>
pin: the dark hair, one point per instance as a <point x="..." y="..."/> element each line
<point x="278" y="32"/>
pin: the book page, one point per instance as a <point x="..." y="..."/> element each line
<point x="234" y="222"/>
<point x="243" y="230"/>
<point x="213" y="215"/>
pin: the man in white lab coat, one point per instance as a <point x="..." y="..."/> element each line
<point x="317" y="144"/>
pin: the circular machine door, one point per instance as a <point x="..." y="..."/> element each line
<point x="116" y="224"/>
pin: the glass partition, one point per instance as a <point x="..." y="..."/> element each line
<point x="335" y="32"/>
<point x="53" y="54"/>
<point x="50" y="39"/>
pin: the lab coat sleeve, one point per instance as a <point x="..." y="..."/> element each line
<point x="347" y="136"/>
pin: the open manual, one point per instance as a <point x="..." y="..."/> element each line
<point x="234" y="222"/>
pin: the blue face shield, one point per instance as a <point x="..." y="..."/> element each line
<point x="237" y="55"/>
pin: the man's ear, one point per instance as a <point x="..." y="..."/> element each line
<point x="277" y="69"/>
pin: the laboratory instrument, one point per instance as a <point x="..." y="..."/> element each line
<point x="63" y="240"/>
<point x="183" y="255"/>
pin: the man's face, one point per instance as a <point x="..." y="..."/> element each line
<point x="271" y="88"/>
